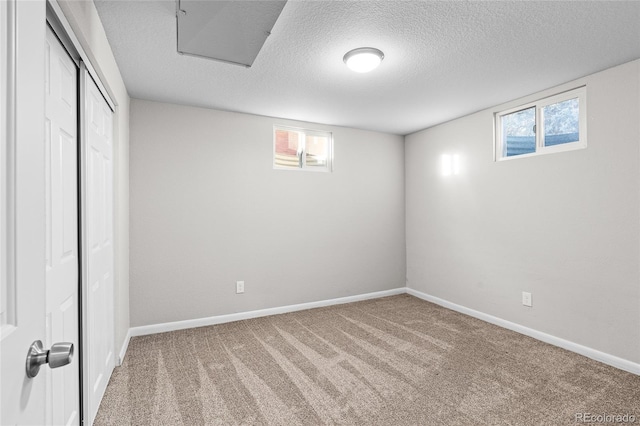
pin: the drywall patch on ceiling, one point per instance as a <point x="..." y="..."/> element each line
<point x="442" y="60"/>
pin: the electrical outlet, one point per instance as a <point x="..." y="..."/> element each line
<point x="526" y="299"/>
<point x="239" y="287"/>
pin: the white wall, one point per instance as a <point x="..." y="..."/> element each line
<point x="84" y="20"/>
<point x="565" y="227"/>
<point x="208" y="209"/>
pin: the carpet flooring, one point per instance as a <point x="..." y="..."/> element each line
<point x="391" y="361"/>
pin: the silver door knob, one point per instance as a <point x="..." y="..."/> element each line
<point x="59" y="355"/>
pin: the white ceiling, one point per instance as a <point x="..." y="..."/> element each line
<point x="442" y="60"/>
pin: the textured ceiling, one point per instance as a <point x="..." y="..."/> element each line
<point x="442" y="60"/>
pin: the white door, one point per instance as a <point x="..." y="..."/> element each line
<point x="22" y="214"/>
<point x="61" y="166"/>
<point x="97" y="220"/>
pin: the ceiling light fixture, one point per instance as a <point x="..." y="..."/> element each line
<point x="363" y="59"/>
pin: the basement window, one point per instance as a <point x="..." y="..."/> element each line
<point x="302" y="149"/>
<point x="554" y="124"/>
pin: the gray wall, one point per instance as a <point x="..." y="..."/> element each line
<point x="563" y="226"/>
<point x="207" y="209"/>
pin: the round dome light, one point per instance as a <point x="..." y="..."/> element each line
<point x="363" y="59"/>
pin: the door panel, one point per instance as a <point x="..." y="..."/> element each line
<point x="23" y="177"/>
<point x="62" y="228"/>
<point x="97" y="188"/>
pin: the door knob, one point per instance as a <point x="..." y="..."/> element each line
<point x="59" y="355"/>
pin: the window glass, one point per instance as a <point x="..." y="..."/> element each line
<point x="557" y="123"/>
<point x="317" y="151"/>
<point x="518" y="132"/>
<point x="302" y="149"/>
<point x="287" y="149"/>
<point x="561" y="122"/>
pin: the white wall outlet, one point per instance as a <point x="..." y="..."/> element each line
<point x="526" y="298"/>
<point x="239" y="287"/>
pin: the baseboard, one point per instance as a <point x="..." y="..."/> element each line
<point x="123" y="349"/>
<point x="220" y="319"/>
<point x="603" y="357"/>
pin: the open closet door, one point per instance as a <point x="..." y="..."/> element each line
<point x="96" y="182"/>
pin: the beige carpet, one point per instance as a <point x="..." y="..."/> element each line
<point x="391" y="361"/>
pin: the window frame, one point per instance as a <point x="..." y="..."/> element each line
<point x="579" y="93"/>
<point x="302" y="137"/>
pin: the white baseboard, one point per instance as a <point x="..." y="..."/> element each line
<point x="603" y="357"/>
<point x="220" y="319"/>
<point x="123" y="349"/>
